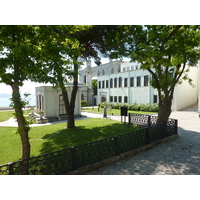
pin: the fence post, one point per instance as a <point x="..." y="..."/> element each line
<point x="149" y="120"/>
<point x="73" y="156"/>
<point x="176" y="126"/>
<point x="116" y="145"/>
<point x="10" y="168"/>
<point x="147" y="135"/>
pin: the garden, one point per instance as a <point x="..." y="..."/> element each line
<point x="49" y="138"/>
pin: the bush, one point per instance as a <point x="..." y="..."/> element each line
<point x="84" y="103"/>
<point x="134" y="107"/>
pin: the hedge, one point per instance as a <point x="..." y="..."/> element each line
<point x="134" y="107"/>
<point x="84" y="103"/>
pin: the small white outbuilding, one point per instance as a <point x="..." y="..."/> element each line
<point x="50" y="101"/>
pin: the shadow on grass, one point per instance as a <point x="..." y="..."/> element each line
<point x="66" y="138"/>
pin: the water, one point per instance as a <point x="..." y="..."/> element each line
<point x="5" y="100"/>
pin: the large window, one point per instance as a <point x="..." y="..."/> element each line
<point x="115" y="99"/>
<point x="155" y="99"/>
<point x="99" y="84"/>
<point x="138" y="81"/>
<point x="120" y="81"/>
<point x="145" y="80"/>
<point x="125" y="99"/>
<point x="111" y="83"/>
<point x="120" y="99"/>
<point x="131" y="81"/>
<point x="62" y="110"/>
<point x="106" y="83"/>
<point x="125" y="82"/>
<point x="115" y="82"/>
<point x="103" y="84"/>
<point x="111" y="98"/>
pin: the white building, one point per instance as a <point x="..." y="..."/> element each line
<point x="51" y="102"/>
<point x="125" y="82"/>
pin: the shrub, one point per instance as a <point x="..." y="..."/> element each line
<point x="84" y="103"/>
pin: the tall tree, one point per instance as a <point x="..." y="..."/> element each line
<point x="165" y="51"/>
<point x="62" y="50"/>
<point x="17" y="52"/>
<point x="59" y="58"/>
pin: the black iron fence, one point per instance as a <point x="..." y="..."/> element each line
<point x="145" y="120"/>
<point x="63" y="161"/>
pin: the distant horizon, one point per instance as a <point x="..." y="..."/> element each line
<point x="5" y="100"/>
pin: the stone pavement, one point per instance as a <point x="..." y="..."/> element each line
<point x="179" y="156"/>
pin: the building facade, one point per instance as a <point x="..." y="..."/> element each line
<point x="50" y="101"/>
<point x="125" y="82"/>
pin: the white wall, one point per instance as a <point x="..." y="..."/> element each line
<point x="51" y="101"/>
<point x="136" y="94"/>
<point x="184" y="94"/>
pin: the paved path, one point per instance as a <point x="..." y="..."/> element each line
<point x="177" y="156"/>
<point x="12" y="122"/>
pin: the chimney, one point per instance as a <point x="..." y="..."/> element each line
<point x="88" y="63"/>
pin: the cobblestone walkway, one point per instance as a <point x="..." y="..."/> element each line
<point x="177" y="156"/>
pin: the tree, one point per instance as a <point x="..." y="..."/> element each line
<point x="58" y="57"/>
<point x="17" y="52"/>
<point x="165" y="51"/>
<point x="63" y="48"/>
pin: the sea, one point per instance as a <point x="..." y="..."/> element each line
<point x="5" y="100"/>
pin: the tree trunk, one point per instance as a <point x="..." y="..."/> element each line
<point x="23" y="128"/>
<point x="70" y="105"/>
<point x="164" y="111"/>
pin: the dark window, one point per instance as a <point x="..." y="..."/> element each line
<point x="115" y="82"/>
<point x="111" y="98"/>
<point x="155" y="99"/>
<point x="120" y="81"/>
<point x="138" y="81"/>
<point x="111" y="83"/>
<point x="103" y="84"/>
<point x="106" y="83"/>
<point x="145" y="80"/>
<point x="62" y="110"/>
<point x="99" y="84"/>
<point x="125" y="99"/>
<point x="115" y="98"/>
<point x="131" y="81"/>
<point x="120" y="99"/>
<point x="85" y="79"/>
<point x="125" y="82"/>
<point x="82" y="96"/>
<point x="103" y="72"/>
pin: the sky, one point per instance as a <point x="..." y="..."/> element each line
<point x="29" y="87"/>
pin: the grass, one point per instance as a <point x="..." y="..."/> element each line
<point x="49" y="138"/>
<point x="5" y="115"/>
<point x="114" y="111"/>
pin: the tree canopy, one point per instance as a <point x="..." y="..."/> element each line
<point x="166" y="51"/>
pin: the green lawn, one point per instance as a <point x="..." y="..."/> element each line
<point x="114" y="111"/>
<point x="5" y="115"/>
<point x="49" y="138"/>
